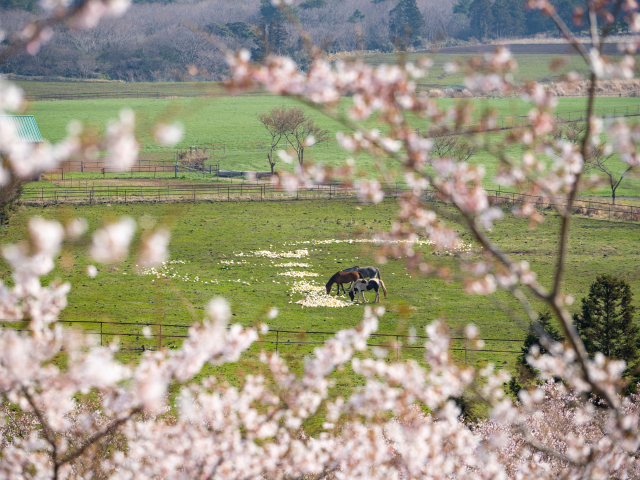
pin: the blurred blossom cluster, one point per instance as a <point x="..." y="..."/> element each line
<point x="99" y="418"/>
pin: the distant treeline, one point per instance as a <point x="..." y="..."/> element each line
<point x="170" y="40"/>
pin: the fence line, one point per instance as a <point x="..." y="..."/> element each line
<point x="173" y="95"/>
<point x="142" y="166"/>
<point x="127" y="95"/>
<point x="266" y="192"/>
<point x="283" y="337"/>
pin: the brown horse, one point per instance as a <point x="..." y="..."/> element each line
<point x="340" y="279"/>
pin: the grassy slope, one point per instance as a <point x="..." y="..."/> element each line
<point x="530" y="67"/>
<point x="234" y="120"/>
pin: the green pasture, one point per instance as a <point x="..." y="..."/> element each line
<point x="209" y="236"/>
<point x="530" y="67"/>
<point x="233" y="121"/>
<point x="206" y="235"/>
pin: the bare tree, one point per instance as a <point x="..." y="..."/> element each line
<point x="452" y="147"/>
<point x="302" y="132"/>
<point x="598" y="157"/>
<point x="295" y="127"/>
<point x="275" y="122"/>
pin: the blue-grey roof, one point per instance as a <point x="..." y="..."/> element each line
<point x="25" y="126"/>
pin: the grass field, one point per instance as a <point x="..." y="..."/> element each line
<point x="233" y="120"/>
<point x="530" y="67"/>
<point x="208" y="237"/>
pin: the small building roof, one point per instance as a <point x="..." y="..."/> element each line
<point x="25" y="126"/>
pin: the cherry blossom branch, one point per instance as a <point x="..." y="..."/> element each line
<point x="568" y="35"/>
<point x="96" y="437"/>
<point x="538" y="445"/>
<point x="46" y="428"/>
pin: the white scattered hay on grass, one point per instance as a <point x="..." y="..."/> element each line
<point x="231" y="262"/>
<point x="270" y="254"/>
<point x="293" y="264"/>
<point x="294" y="273"/>
<point x="321" y="299"/>
<point x="167" y="271"/>
<point x="461" y="248"/>
<point x="304" y="286"/>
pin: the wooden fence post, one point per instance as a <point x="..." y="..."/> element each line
<point x="397" y="348"/>
<point x="277" y="338"/>
<point x="465" y="351"/>
<point x="101" y="333"/>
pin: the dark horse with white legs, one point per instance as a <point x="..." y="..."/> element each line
<point x="365" y="272"/>
<point x="340" y="279"/>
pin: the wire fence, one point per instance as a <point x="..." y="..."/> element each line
<point x="165" y="335"/>
<point x="142" y="166"/>
<point x="217" y="192"/>
<point x="127" y="95"/>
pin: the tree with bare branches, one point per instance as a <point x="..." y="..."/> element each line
<point x="453" y="147"/>
<point x="599" y="157"/>
<point x="302" y="132"/>
<point x="294" y="126"/>
<point x="276" y="123"/>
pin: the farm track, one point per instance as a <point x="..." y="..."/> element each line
<point x="523" y="49"/>
<point x="262" y="193"/>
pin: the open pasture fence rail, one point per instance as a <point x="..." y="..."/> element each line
<point x="142" y="166"/>
<point x="130" y="95"/>
<point x="204" y="94"/>
<point x="164" y="335"/>
<point x="266" y="192"/>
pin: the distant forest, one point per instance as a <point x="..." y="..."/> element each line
<point x="169" y="40"/>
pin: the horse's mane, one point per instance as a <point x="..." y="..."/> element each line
<point x="332" y="279"/>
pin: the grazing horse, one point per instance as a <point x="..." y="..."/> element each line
<point x="340" y="279"/>
<point x="361" y="286"/>
<point x="366" y="272"/>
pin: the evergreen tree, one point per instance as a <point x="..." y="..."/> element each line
<point x="481" y="18"/>
<point x="532" y="338"/>
<point x="462" y="7"/>
<point x="406" y="24"/>
<point x="526" y="372"/>
<point x="516" y="11"/>
<point x="508" y="18"/>
<point x="356" y="17"/>
<point x="273" y="28"/>
<point x="606" y="321"/>
<point x="310" y="4"/>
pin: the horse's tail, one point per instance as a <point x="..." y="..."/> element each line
<point x="384" y="289"/>
<point x="379" y="275"/>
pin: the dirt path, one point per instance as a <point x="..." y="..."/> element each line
<point x="526" y="49"/>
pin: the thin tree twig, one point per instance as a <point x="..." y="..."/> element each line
<point x="98" y="436"/>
